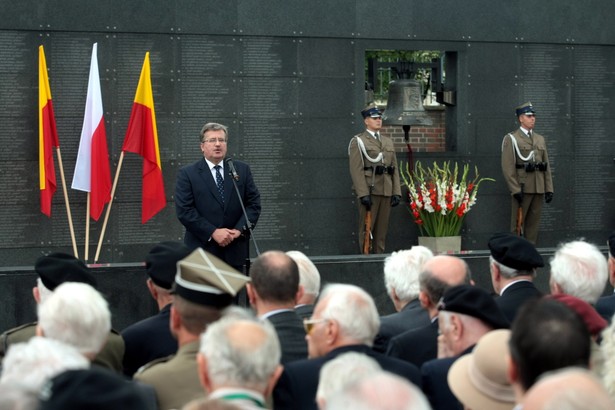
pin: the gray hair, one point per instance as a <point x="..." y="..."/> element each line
<point x="17" y="397"/>
<point x="402" y="269"/>
<point x="213" y="126"/>
<point x="354" y="311"/>
<point x="342" y="371"/>
<point x="43" y="291"/>
<point x="508" y="272"/>
<point x="241" y="361"/>
<point x="309" y="277"/>
<point x="77" y="315"/>
<point x="580" y="269"/>
<point x="32" y="363"/>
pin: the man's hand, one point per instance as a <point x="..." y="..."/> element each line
<point x="366" y="201"/>
<point x="395" y="200"/>
<point x="224" y="236"/>
<point x="548" y="197"/>
<point x="519" y="197"/>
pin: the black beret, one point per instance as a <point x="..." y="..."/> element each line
<point x="476" y="302"/>
<point x="94" y="388"/>
<point x="57" y="268"/>
<point x="611" y="243"/>
<point x="514" y="251"/>
<point x="161" y="262"/>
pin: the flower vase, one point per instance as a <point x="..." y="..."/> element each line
<point x="441" y="244"/>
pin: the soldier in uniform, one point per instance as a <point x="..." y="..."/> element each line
<point x="204" y="286"/>
<point x="53" y="270"/>
<point x="526" y="169"/>
<point x="375" y="177"/>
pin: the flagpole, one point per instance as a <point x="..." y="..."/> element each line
<point x="68" y="213"/>
<point x="87" y="228"/>
<point x="104" y="227"/>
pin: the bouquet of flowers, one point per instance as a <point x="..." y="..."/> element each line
<point x="439" y="201"/>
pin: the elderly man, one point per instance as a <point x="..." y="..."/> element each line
<point x="204" y="287"/>
<point x="513" y="264"/>
<point x="439" y="273"/>
<point x="345" y="320"/>
<point x="273" y="293"/>
<point x="309" y="282"/>
<point x="401" y="279"/>
<point x="239" y="361"/>
<point x="606" y="304"/>
<point x="466" y="314"/>
<point x="53" y="270"/>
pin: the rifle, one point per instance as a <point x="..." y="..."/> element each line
<point x="520" y="216"/>
<point x="367" y="238"/>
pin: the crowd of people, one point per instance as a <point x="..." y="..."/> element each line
<point x="451" y="344"/>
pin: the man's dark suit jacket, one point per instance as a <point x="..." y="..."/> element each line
<point x="304" y="311"/>
<point x="416" y="346"/>
<point x="296" y="388"/>
<point x="411" y="316"/>
<point x="201" y="210"/>
<point x="515" y="296"/>
<point x="289" y="327"/>
<point x="148" y="340"/>
<point x="605" y="306"/>
<point x="435" y="383"/>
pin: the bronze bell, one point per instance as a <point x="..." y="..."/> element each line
<point x="405" y="104"/>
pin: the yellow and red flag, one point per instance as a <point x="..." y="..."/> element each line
<point x="47" y="136"/>
<point x="142" y="138"/>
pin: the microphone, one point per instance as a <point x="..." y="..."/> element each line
<point x="229" y="162"/>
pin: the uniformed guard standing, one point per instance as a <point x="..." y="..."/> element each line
<point x="526" y="169"/>
<point x="204" y="286"/>
<point x="375" y="177"/>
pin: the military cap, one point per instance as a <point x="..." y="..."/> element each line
<point x="57" y="268"/>
<point x="94" y="388"/>
<point x="525" y="108"/>
<point x="592" y="319"/>
<point x="207" y="280"/>
<point x="473" y="301"/>
<point x="611" y="243"/>
<point x="161" y="262"/>
<point x="514" y="251"/>
<point x="371" y="111"/>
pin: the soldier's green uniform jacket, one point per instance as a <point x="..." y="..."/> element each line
<point x="110" y="356"/>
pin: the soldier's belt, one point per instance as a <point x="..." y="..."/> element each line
<point x="533" y="166"/>
<point x="381" y="169"/>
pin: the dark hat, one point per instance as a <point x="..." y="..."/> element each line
<point x="371" y="111"/>
<point x="57" y="268"/>
<point x="94" y="388"/>
<point x="525" y="108"/>
<point x="611" y="242"/>
<point x="161" y="262"/>
<point x="473" y="301"/>
<point x="207" y="280"/>
<point x="592" y="319"/>
<point x="514" y="251"/>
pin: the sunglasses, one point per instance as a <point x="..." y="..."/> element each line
<point x="308" y="324"/>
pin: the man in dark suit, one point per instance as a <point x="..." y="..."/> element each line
<point x="606" y="304"/>
<point x="466" y="314"/>
<point x="439" y="273"/>
<point x="309" y="282"/>
<point x="151" y="338"/>
<point x="273" y="293"/>
<point x="401" y="279"/>
<point x="345" y="319"/>
<point x="513" y="264"/>
<point x="207" y="204"/>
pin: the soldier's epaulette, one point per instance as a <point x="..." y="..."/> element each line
<point x="154" y="363"/>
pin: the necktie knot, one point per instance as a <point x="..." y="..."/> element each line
<point x="377" y="136"/>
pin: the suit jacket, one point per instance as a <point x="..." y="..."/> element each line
<point x="201" y="210"/>
<point x="304" y="311"/>
<point x="514" y="296"/>
<point x="175" y="378"/>
<point x="411" y="316"/>
<point x="109" y="357"/>
<point x="148" y="340"/>
<point x="416" y="346"/>
<point x="289" y="327"/>
<point x="296" y="388"/>
<point x="605" y="306"/>
<point x="384" y="184"/>
<point x="435" y="383"/>
<point x="537" y="182"/>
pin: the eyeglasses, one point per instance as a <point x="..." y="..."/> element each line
<point x="308" y="324"/>
<point x="214" y="140"/>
